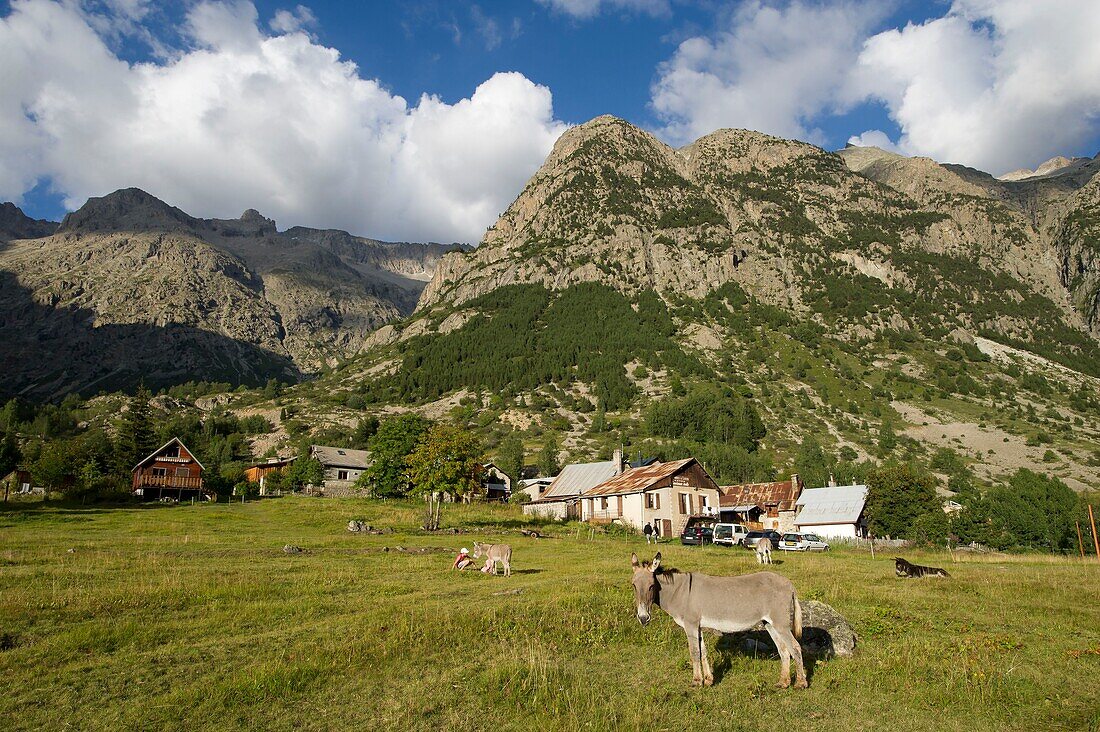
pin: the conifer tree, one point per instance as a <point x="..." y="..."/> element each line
<point x="135" y="433"/>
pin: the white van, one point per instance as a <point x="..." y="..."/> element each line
<point x="730" y="534"/>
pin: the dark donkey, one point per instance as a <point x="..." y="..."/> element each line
<point x="699" y="602"/>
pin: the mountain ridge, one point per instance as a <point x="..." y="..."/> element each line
<point x="304" y="297"/>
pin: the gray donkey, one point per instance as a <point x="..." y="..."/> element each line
<point x="494" y="553"/>
<point x="699" y="602"/>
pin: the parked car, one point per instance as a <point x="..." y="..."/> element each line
<point x="803" y="542"/>
<point x="698" y="530"/>
<point x="730" y="534"/>
<point x="773" y="535"/>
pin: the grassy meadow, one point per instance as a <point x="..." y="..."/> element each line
<point x="192" y="617"/>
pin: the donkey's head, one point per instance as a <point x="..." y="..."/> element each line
<point x="479" y="549"/>
<point x="646" y="589"/>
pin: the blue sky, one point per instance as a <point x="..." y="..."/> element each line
<point x="209" y="103"/>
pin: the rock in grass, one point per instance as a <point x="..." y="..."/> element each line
<point x="291" y="549"/>
<point x="825" y="634"/>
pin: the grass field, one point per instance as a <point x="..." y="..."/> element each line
<point x="194" y="618"/>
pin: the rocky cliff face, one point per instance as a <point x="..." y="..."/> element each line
<point x="786" y="221"/>
<point x="211" y="299"/>
<point x="14" y="224"/>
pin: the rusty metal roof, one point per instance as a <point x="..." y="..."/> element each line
<point x="782" y="494"/>
<point x="637" y="480"/>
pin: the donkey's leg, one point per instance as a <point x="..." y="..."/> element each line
<point x="784" y="649"/>
<point x="704" y="662"/>
<point x="693" y="650"/>
<point x="794" y="648"/>
<point x="507" y="568"/>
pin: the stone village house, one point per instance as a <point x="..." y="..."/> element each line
<point x="342" y="466"/>
<point x="667" y="494"/>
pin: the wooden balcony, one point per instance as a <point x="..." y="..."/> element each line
<point x="174" y="482"/>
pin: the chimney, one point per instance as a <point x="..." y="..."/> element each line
<point x="618" y="459"/>
<point x="832" y="481"/>
<point x="795" y="481"/>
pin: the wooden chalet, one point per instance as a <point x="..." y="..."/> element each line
<point x="762" y="505"/>
<point x="259" y="472"/>
<point x="171" y="471"/>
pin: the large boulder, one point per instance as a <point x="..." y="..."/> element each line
<point x="825" y="634"/>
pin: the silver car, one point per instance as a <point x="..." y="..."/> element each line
<point x="803" y="542"/>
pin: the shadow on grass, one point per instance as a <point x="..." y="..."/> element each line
<point x="63" y="508"/>
<point x="816" y="643"/>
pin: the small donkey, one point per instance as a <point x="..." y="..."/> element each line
<point x="494" y="553"/>
<point x="763" y="550"/>
<point x="699" y="602"/>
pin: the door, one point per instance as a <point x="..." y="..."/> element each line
<point x="666" y="527"/>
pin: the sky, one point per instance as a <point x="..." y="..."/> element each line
<point x="423" y="119"/>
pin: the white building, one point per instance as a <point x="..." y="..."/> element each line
<point x="833" y="511"/>
<point x="562" y="499"/>
<point x="664" y="495"/>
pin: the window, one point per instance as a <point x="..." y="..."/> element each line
<point x="603" y="504"/>
<point x="653" y="501"/>
<point x="172" y="452"/>
<point x="341" y="475"/>
<point x="685" y="503"/>
<point x="183" y="472"/>
<point x="649" y="500"/>
<point x="160" y="472"/>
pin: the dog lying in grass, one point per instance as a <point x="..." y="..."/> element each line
<point x="908" y="569"/>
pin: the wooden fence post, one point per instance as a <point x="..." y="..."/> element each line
<point x="1095" y="541"/>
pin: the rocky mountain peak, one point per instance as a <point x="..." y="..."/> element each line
<point x="14" y="224"/>
<point x="128" y="209"/>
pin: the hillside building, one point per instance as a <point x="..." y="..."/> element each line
<point x="762" y="505"/>
<point x="342" y="466"/>
<point x="664" y="494"/>
<point x="833" y="511"/>
<point x="171" y="471"/>
<point x="259" y="472"/>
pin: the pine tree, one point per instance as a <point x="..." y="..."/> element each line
<point x="135" y="433"/>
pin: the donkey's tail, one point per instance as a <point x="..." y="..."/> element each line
<point x="796" y="627"/>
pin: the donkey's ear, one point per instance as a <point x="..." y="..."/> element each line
<point x="656" y="562"/>
<point x="634" y="560"/>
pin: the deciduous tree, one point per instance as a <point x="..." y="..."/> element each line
<point x="447" y="460"/>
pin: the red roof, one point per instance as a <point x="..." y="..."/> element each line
<point x="637" y="480"/>
<point x="780" y="494"/>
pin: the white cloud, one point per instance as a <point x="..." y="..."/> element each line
<point x="772" y="69"/>
<point x="995" y="84"/>
<point x="487" y="27"/>
<point x="279" y="123"/>
<point x="585" y="9"/>
<point x="292" y="21"/>
<point x="874" y="138"/>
